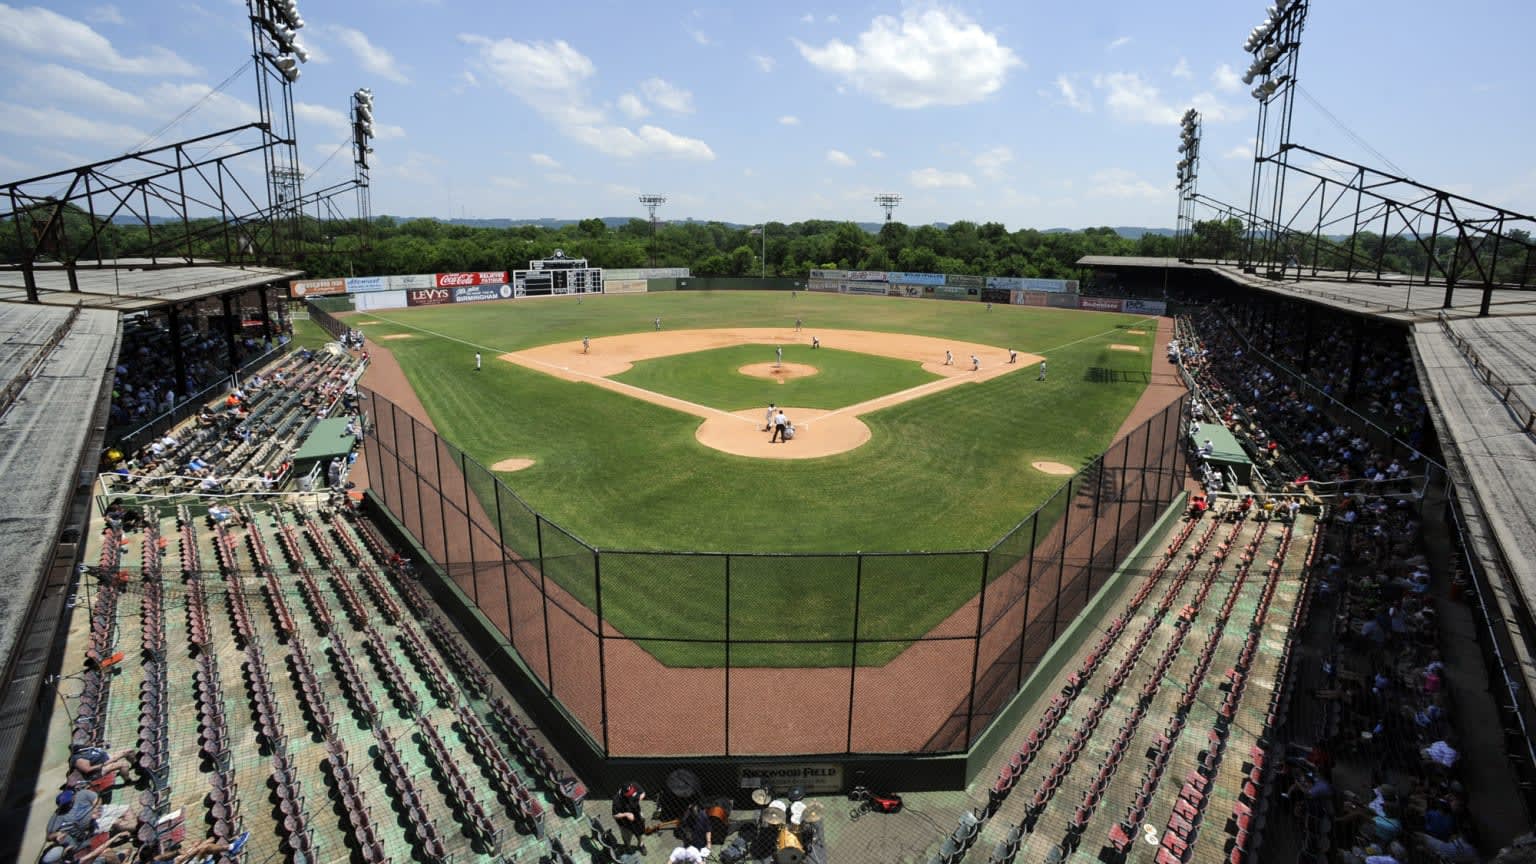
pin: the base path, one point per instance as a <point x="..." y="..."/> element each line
<point x="818" y="432"/>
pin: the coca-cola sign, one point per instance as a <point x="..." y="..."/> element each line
<point x="465" y="280"/>
<point x="429" y="296"/>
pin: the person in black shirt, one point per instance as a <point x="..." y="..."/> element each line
<point x="626" y="814"/>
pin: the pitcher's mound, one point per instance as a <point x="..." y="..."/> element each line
<point x="1119" y="347"/>
<point x="398" y="336"/>
<point x="1053" y="468"/>
<point x="512" y="465"/>
<point x="779" y="373"/>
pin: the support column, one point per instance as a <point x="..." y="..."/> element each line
<point x="266" y="315"/>
<point x="229" y="333"/>
<point x="178" y="357"/>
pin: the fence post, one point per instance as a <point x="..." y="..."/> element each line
<point x="1061" y="567"/>
<point x="853" y="650"/>
<point x="549" y="657"/>
<point x="1093" y="533"/>
<point x="981" y="608"/>
<point x="727" y="654"/>
<point x="469" y="529"/>
<point x="442" y="500"/>
<point x="602" y="660"/>
<point x="1029" y="590"/>
<point x="506" y="581"/>
<point x="1141" y="502"/>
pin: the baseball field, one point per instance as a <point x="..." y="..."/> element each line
<point x="647" y="439"/>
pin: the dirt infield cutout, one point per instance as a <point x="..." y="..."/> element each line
<point x="1122" y="347"/>
<point x="1053" y="468"/>
<point x="366" y="323"/>
<point x="399" y="336"/>
<point x="516" y="464"/>
<point x="779" y="372"/>
<point x="818" y="432"/>
<point x="1135" y="332"/>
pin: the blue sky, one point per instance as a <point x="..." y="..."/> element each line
<point x="1031" y="114"/>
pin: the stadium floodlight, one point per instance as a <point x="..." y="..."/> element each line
<point x="288" y="66"/>
<point x="299" y="52"/>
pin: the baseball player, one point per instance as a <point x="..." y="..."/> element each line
<point x="1013" y="356"/>
<point x="815" y="342"/>
<point x="658" y="323"/>
<point x="1042" y="370"/>
<point x="797" y="325"/>
<point x="768" y="418"/>
<point x="779" y="356"/>
<point x="477" y="361"/>
<point x="780" y="422"/>
<point x="975" y="363"/>
<point x="586" y="344"/>
<point x="949" y="358"/>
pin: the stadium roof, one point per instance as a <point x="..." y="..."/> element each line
<point x="137" y="284"/>
<point x="42" y="436"/>
<point x="1398" y="302"/>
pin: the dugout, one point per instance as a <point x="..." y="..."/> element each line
<point x="1226" y="453"/>
<point x="328" y="440"/>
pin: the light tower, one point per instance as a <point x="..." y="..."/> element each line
<point x="1274" y="45"/>
<point x="888" y="200"/>
<point x="651" y="202"/>
<point x="277" y="54"/>
<point x="362" y="146"/>
<point x="1188" y="172"/>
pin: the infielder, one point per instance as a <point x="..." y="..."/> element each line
<point x="1042" y="370"/>
<point x="949" y="359"/>
<point x="1013" y="356"/>
<point x="586" y="344"/>
<point x="815" y="342"/>
<point x="797" y="325"/>
<point x="975" y="363"/>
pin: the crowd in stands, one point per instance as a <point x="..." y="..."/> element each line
<point x="145" y="384"/>
<point x="1376" y="779"/>
<point x="243" y="441"/>
<point x="1287" y="429"/>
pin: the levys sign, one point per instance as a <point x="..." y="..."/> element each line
<point x="814" y="778"/>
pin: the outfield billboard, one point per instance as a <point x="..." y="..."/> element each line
<point x="465" y="280"/>
<point x="630" y="274"/>
<point x="1060" y="301"/>
<point x="623" y="286"/>
<point x="429" y="296"/>
<point x="1099" y="304"/>
<point x="962" y="280"/>
<point x="365" y="284"/>
<point x="896" y="277"/>
<point x="896" y="290"/>
<point x="830" y="286"/>
<point x="1144" y="307"/>
<point x="477" y="293"/>
<point x="948" y="292"/>
<point x="300" y="288"/>
<point x="371" y="300"/>
<point x="412" y="282"/>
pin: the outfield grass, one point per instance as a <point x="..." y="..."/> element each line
<point x="949" y="471"/>
<point x="711" y="377"/>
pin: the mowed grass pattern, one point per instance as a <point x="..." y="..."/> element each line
<point x="949" y="471"/>
<point x="712" y="378"/>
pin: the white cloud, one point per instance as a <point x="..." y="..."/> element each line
<point x="1181" y="69"/>
<point x="1134" y="100"/>
<point x="1239" y="151"/>
<point x="928" y="56"/>
<point x="543" y="160"/>
<point x="1227" y="79"/>
<point x="838" y="157"/>
<point x="933" y="178"/>
<point x="789" y="120"/>
<point x="630" y="104"/>
<point x="808" y="18"/>
<point x="106" y="14"/>
<point x="373" y="58"/>
<point x="214" y="109"/>
<point x="563" y="179"/>
<point x="551" y="78"/>
<point x="1070" y="96"/>
<point x="54" y="123"/>
<point x="416" y="167"/>
<point x="621" y="190"/>
<point x="337" y="122"/>
<point x="1120" y="183"/>
<point x="992" y="161"/>
<point x="700" y="37"/>
<point x="35" y="30"/>
<point x="59" y="83"/>
<point x="469" y="78"/>
<point x="764" y="62"/>
<point x="668" y="97"/>
<point x="875" y="154"/>
<point x="1120" y="42"/>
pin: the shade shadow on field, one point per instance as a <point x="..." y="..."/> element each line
<point x="1106" y="375"/>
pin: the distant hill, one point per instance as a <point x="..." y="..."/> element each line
<point x="1128" y="232"/>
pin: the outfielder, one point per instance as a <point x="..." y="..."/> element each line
<point x="1042" y="370"/>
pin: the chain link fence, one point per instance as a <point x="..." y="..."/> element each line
<point x="725" y="654"/>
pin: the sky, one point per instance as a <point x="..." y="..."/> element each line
<point x="1036" y="115"/>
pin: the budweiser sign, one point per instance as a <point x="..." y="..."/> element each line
<point x="465" y="280"/>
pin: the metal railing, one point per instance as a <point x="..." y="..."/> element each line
<point x="615" y="636"/>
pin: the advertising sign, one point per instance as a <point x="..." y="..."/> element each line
<point x="1058" y="285"/>
<point x="829" y="274"/>
<point x="361" y="284"/>
<point x="1060" y="301"/>
<point x="411" y="283"/>
<point x="1099" y="304"/>
<point x="866" y="276"/>
<point x="316" y="287"/>
<point x="948" y="292"/>
<point x="464" y="280"/>
<point x="865" y="288"/>
<point x="380" y="300"/>
<point x="1029" y="298"/>
<point x="627" y="274"/>
<point x="960" y="280"/>
<point x="995" y="295"/>
<point x="906" y="290"/>
<point x="1145" y="307"/>
<point x="915" y="278"/>
<point x="476" y="293"/>
<point x="815" y="779"/>
<point x="624" y="286"/>
<point x="1006" y="283"/>
<point x="429" y="296"/>
<point x="831" y="286"/>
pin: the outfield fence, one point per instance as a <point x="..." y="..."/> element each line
<point x="778" y="668"/>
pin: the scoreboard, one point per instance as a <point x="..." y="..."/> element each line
<point x="557" y="274"/>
